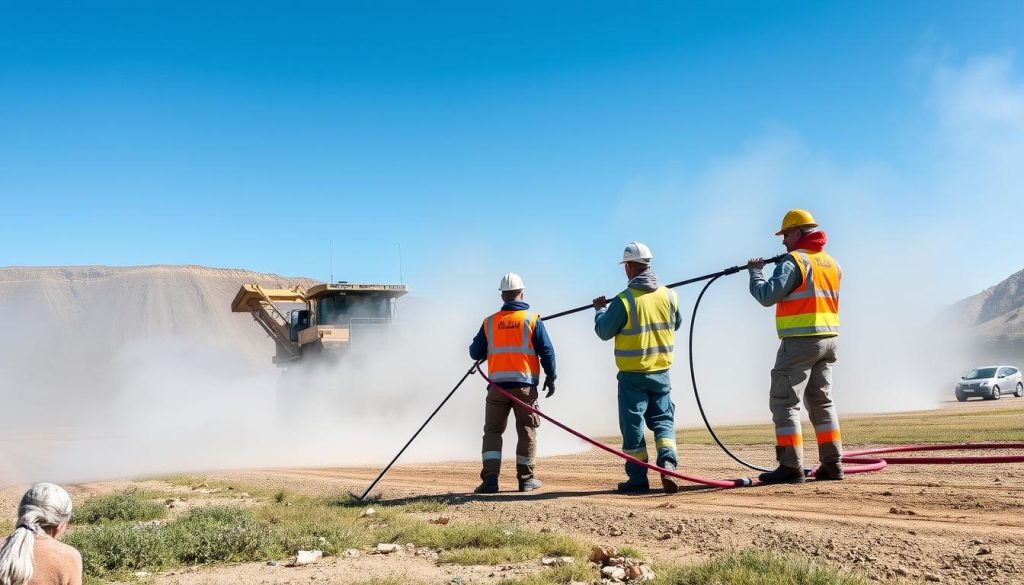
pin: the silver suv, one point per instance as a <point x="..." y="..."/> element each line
<point x="990" y="383"/>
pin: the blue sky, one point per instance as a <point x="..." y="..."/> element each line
<point x="537" y="137"/>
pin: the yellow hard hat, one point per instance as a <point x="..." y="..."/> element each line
<point x="796" y="218"/>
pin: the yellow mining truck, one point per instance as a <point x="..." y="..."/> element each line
<point x="324" y="321"/>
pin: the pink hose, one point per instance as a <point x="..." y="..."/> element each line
<point x="862" y="458"/>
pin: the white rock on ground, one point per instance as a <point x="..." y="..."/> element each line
<point x="306" y="557"/>
<point x="614" y="573"/>
<point x="387" y="548"/>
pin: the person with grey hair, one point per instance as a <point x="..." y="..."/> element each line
<point x="33" y="555"/>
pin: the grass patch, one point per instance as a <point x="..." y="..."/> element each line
<point x="583" y="572"/>
<point x="217" y="488"/>
<point x="945" y="426"/>
<point x="127" y="505"/>
<point x="114" y="547"/>
<point x="179" y="479"/>
<point x="416" y="504"/>
<point x="201" y="536"/>
<point x="631" y="552"/>
<point x="220" y="533"/>
<point x="751" y="567"/>
<point x="120" y="548"/>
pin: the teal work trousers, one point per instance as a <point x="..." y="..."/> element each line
<point x="645" y="399"/>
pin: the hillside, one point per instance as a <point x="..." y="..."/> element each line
<point x="69" y="329"/>
<point x="993" y="320"/>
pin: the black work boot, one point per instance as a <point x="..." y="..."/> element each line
<point x="528" y="485"/>
<point x="628" y="487"/>
<point x="668" y="482"/>
<point x="783" y="474"/>
<point x="829" y="472"/>
<point x="489" y="485"/>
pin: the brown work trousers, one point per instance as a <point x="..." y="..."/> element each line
<point x="495" y="421"/>
<point x="800" y="360"/>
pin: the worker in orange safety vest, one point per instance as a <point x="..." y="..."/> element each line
<point x="517" y="347"/>
<point x="805" y="291"/>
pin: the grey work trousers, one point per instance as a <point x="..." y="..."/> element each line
<point x="800" y="360"/>
<point x="495" y="421"/>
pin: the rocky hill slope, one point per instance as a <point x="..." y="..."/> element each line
<point x="993" y="320"/>
<point x="71" y="329"/>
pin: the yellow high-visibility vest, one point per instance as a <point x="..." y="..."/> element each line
<point x="646" y="343"/>
<point x="812" y="309"/>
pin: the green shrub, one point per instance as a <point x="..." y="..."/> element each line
<point x="219" y="533"/>
<point x="111" y="547"/>
<point x="128" y="505"/>
<point x="631" y="552"/>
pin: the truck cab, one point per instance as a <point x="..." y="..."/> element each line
<point x="337" y="314"/>
<point x="325" y="320"/>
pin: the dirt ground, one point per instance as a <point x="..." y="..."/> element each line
<point x="954" y="524"/>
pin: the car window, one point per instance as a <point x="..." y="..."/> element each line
<point x="981" y="374"/>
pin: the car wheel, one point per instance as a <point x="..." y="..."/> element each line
<point x="1020" y="390"/>
<point x="995" y="393"/>
<point x="961" y="397"/>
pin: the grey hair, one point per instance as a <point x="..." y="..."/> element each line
<point x="806" y="229"/>
<point x="44" y="505"/>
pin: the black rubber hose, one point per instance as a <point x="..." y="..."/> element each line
<point x="696" y="394"/>
<point x="471" y="370"/>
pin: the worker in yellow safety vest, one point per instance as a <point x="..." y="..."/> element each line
<point x="643" y="320"/>
<point x="805" y="291"/>
<point x="517" y="347"/>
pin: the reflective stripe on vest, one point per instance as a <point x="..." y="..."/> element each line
<point x="812" y="309"/>
<point x="510" y="353"/>
<point x="645" y="344"/>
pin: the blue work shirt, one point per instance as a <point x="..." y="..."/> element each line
<point x="784" y="280"/>
<point x="541" y="343"/>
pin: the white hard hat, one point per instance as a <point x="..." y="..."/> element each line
<point x="636" y="252"/>
<point x="511" y="281"/>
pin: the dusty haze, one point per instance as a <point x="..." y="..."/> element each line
<point x="124" y="371"/>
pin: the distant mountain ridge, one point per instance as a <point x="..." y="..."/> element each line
<point x="994" y="319"/>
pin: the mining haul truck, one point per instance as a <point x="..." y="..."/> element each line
<point x="325" y="322"/>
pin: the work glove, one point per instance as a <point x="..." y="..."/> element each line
<point x="549" y="385"/>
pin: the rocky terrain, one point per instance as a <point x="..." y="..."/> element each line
<point x="993" y="321"/>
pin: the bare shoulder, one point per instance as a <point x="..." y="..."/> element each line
<point x="61" y="550"/>
<point x="70" y="551"/>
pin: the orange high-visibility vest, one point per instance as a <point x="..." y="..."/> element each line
<point x="510" y="353"/>
<point x="812" y="309"/>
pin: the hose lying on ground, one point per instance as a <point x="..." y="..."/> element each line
<point x="863" y="460"/>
